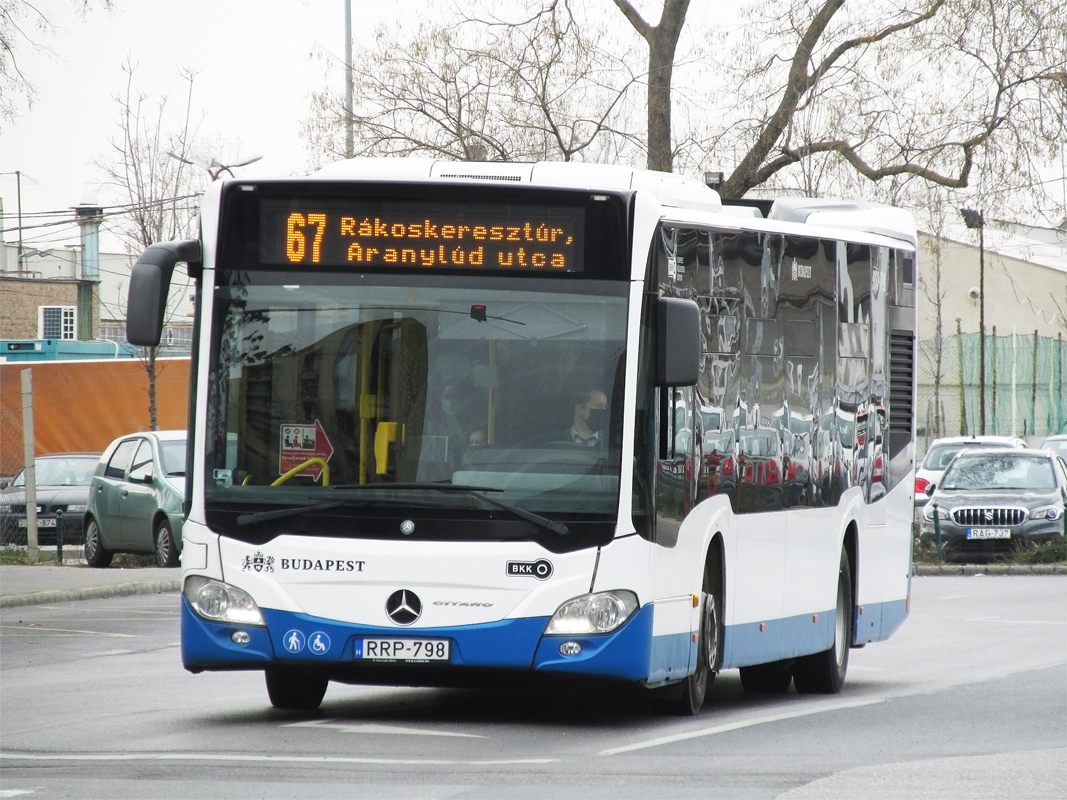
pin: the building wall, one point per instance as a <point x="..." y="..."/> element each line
<point x="115" y="268"/>
<point x="21" y="297"/>
<point x="1020" y="295"/>
<point x="1025" y="387"/>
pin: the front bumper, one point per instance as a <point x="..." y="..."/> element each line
<point x="505" y="645"/>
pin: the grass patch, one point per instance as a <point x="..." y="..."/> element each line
<point x="132" y="561"/>
<point x="1052" y="552"/>
<point x="20" y="555"/>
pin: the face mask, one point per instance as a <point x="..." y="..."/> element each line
<point x="597" y="418"/>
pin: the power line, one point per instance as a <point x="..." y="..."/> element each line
<point x="106" y="211"/>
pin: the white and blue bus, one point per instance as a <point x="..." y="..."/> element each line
<point x="457" y="422"/>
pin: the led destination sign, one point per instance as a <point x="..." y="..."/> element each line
<point x="422" y="235"/>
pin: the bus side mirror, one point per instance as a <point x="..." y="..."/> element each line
<point x="678" y="344"/>
<point x="146" y="302"/>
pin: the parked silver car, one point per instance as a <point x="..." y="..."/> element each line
<point x="941" y="453"/>
<point x="990" y="502"/>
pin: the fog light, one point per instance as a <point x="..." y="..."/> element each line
<point x="570" y="649"/>
<point x="240" y="637"/>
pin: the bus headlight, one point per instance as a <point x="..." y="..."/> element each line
<point x="219" y="602"/>
<point x="602" y="612"/>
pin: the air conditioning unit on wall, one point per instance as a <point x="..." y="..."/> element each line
<point x="57" y="322"/>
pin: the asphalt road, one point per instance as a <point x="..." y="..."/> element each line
<point x="968" y="699"/>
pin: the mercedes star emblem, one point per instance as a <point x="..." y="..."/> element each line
<point x="403" y="607"/>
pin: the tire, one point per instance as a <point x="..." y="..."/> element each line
<point x="295" y="689"/>
<point x="773" y="678"/>
<point x="96" y="555"/>
<point x="824" y="673"/>
<point x="166" y="551"/>
<point x="694" y="689"/>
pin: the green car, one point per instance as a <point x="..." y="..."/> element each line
<point x="135" y="501"/>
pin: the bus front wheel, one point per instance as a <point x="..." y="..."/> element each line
<point x="709" y="650"/>
<point x="295" y="689"/>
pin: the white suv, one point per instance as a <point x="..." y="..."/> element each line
<point x="942" y="451"/>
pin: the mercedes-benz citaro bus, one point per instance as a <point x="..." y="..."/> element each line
<point x="447" y="426"/>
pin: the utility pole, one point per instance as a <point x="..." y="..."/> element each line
<point x="18" y="201"/>
<point x="974" y="219"/>
<point x="349" y="134"/>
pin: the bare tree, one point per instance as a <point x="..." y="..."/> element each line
<point x="24" y="25"/>
<point x="662" y="40"/>
<point x="482" y="88"/>
<point x="148" y="168"/>
<point x="877" y="99"/>
<point x="932" y="284"/>
<point x="939" y="93"/>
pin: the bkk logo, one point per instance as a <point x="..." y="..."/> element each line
<point x="540" y="569"/>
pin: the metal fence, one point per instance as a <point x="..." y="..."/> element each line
<point x="10" y="431"/>
<point x="1024" y="386"/>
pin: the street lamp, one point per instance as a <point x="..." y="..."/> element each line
<point x="974" y="219"/>
<point x="213" y="166"/>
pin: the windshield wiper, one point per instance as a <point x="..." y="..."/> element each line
<point x="473" y="491"/>
<point x="282" y="513"/>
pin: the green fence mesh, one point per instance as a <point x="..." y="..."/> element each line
<point x="1024" y="385"/>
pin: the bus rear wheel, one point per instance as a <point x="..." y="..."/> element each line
<point x="824" y="673"/>
<point x="295" y="689"/>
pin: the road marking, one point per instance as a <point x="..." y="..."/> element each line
<point x="378" y="729"/>
<point x="1019" y="621"/>
<point x="734" y="726"/>
<point x="865" y="669"/>
<point x="34" y="629"/>
<point x="120" y="653"/>
<point x="236" y="758"/>
<point x="14" y="792"/>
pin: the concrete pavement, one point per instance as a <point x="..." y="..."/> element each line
<point x="25" y="585"/>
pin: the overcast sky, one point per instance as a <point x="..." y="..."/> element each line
<point x="255" y="75"/>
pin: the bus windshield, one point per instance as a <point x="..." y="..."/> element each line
<point x="372" y="391"/>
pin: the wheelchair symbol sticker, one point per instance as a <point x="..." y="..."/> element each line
<point x="293" y="641"/>
<point x="319" y="643"/>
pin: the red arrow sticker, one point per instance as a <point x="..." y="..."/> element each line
<point x="298" y="443"/>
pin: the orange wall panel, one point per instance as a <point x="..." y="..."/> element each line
<point x="81" y="406"/>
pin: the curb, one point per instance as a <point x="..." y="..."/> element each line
<point x="989" y="569"/>
<point x="90" y="593"/>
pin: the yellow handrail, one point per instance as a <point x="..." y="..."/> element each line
<point x="301" y="467"/>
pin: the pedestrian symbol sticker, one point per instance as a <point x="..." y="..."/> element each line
<point x="319" y="643"/>
<point x="298" y="444"/>
<point x="294" y="641"/>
